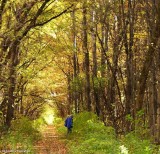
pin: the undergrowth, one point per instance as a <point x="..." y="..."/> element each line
<point x="90" y="136"/>
<point x="21" y="136"/>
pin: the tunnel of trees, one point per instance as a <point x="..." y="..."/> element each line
<point x="101" y="56"/>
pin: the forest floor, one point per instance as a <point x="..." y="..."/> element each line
<point x="51" y="142"/>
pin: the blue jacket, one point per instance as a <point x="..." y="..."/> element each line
<point x="69" y="122"/>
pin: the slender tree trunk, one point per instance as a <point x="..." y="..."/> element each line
<point x="104" y="69"/>
<point x="128" y="43"/>
<point x="86" y="54"/>
<point x="69" y="106"/>
<point x="153" y="103"/>
<point x="94" y="53"/>
<point x="75" y="62"/>
<point x="158" y="118"/>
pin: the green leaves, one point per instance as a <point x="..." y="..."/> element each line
<point x="92" y="136"/>
<point x="22" y="134"/>
<point x="129" y="117"/>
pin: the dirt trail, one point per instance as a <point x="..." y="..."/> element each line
<point x="51" y="143"/>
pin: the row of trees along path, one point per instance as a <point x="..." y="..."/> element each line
<point x="51" y="142"/>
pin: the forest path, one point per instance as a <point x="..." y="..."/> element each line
<point x="51" y="142"/>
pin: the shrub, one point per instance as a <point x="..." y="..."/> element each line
<point x="92" y="136"/>
<point x="59" y="124"/>
<point x="21" y="135"/>
<point x="39" y="124"/>
<point x="136" y="145"/>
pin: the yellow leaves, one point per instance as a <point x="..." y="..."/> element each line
<point x="140" y="35"/>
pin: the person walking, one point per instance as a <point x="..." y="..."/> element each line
<point x="69" y="123"/>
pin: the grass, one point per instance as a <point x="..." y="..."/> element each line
<point x="90" y="136"/>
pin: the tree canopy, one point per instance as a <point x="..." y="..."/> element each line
<point x="99" y="56"/>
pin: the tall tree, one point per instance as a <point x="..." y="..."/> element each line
<point x="75" y="62"/>
<point x="86" y="56"/>
<point x="94" y="55"/>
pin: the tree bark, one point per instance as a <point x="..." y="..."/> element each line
<point x="75" y="63"/>
<point x="86" y="55"/>
<point x="13" y="61"/>
<point x="94" y="55"/>
<point x="154" y="38"/>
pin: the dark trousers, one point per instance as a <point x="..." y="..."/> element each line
<point x="69" y="130"/>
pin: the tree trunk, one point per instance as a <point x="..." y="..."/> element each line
<point x="86" y="55"/>
<point x="13" y="61"/>
<point x="154" y="38"/>
<point x="94" y="55"/>
<point x="128" y="43"/>
<point x="75" y="63"/>
<point x="153" y="103"/>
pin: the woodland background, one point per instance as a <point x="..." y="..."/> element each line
<point x="101" y="56"/>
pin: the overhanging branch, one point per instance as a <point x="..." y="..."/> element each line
<point x="54" y="17"/>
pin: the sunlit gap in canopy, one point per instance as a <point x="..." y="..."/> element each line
<point x="48" y="115"/>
